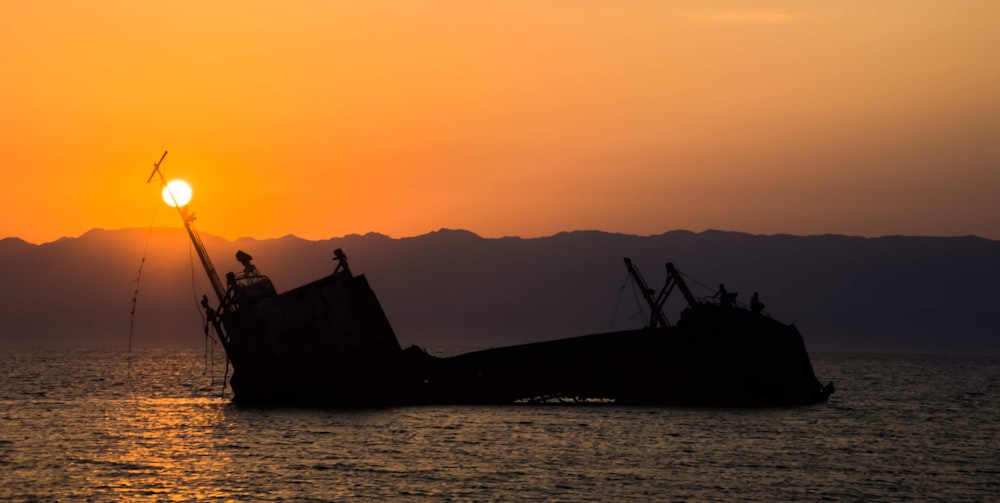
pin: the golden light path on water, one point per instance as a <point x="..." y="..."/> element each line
<point x="165" y="448"/>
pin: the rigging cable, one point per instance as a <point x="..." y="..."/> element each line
<point x="197" y="304"/>
<point x="621" y="293"/>
<point x="211" y="358"/>
<point x="225" y="377"/>
<point x="710" y="290"/>
<point x="638" y="302"/>
<point x="135" y="294"/>
<point x="209" y="350"/>
<point x="706" y="287"/>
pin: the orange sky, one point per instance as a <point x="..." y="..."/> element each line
<point x="323" y="118"/>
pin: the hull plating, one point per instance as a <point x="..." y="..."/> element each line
<point x="329" y="343"/>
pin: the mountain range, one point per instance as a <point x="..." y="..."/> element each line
<point x="454" y="289"/>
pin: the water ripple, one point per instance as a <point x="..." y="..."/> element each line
<point x="79" y="427"/>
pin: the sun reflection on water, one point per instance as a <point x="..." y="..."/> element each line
<point x="164" y="448"/>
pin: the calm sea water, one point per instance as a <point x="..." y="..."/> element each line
<point x="79" y="425"/>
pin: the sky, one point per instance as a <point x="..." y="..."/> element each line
<point x="527" y="118"/>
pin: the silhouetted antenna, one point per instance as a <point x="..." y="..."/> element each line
<point x="156" y="168"/>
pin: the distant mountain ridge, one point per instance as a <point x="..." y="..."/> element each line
<point x="452" y="288"/>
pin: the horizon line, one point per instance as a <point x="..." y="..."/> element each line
<point x="481" y="236"/>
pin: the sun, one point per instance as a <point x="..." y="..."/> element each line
<point x="177" y="193"/>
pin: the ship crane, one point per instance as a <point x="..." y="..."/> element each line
<point x="674" y="279"/>
<point x="188" y="219"/>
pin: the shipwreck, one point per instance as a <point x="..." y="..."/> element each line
<point x="328" y="343"/>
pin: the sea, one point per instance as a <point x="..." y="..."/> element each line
<point x="158" y="425"/>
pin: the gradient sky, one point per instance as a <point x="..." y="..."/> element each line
<point x="323" y="118"/>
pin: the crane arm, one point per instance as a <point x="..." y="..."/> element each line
<point x="656" y="317"/>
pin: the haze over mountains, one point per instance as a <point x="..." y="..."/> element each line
<point x="453" y="289"/>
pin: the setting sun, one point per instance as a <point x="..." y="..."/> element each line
<point x="177" y="193"/>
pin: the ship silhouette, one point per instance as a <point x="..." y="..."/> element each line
<point x="329" y="343"/>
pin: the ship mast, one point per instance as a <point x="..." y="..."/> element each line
<point x="188" y="219"/>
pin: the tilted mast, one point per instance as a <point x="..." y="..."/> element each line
<point x="188" y="219"/>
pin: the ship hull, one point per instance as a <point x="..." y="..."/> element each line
<point x="714" y="356"/>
